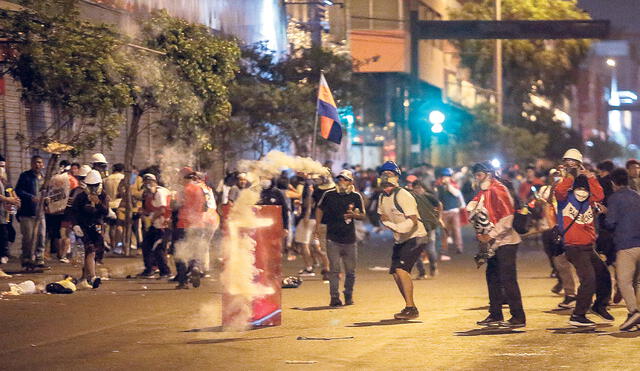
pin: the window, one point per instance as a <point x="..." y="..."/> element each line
<point x="377" y="14"/>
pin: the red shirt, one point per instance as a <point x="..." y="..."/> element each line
<point x="191" y="213"/>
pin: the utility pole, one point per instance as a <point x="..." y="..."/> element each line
<point x="317" y="13"/>
<point x="498" y="69"/>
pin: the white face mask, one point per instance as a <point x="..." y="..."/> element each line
<point x="265" y="183"/>
<point x="581" y="194"/>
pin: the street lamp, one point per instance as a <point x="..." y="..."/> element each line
<point x="436" y="118"/>
<point x="611" y="62"/>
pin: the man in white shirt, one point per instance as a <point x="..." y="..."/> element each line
<point x="399" y="212"/>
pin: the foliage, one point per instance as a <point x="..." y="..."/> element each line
<point x="205" y="65"/>
<point x="544" y="68"/>
<point x="277" y="94"/>
<point x="67" y="63"/>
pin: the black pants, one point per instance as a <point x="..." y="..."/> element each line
<point x="594" y="277"/>
<point x="183" y="267"/>
<point x="502" y="281"/>
<point x="154" y="250"/>
<point x="4" y="239"/>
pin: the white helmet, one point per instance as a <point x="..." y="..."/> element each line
<point x="98" y="157"/>
<point x="93" y="178"/>
<point x="573" y="154"/>
<point x="84" y="170"/>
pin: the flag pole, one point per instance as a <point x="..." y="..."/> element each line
<point x="315" y="136"/>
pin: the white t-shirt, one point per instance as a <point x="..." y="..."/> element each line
<point x="402" y="227"/>
<point x="160" y="199"/>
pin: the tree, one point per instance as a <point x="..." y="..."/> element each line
<point x="66" y="63"/>
<point x="544" y="68"/>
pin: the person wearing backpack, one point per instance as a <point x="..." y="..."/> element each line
<point x="428" y="243"/>
<point x="398" y="211"/>
<point x="491" y="212"/>
<point x="578" y="193"/>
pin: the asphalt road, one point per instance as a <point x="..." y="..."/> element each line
<point x="144" y="324"/>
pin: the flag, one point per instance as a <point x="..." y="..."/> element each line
<point x="328" y="113"/>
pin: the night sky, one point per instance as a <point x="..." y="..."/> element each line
<point x="624" y="14"/>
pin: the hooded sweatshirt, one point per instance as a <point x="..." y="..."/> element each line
<point x="579" y="207"/>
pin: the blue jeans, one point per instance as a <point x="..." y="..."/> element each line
<point x="347" y="253"/>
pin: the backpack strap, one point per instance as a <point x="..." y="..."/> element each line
<point x="395" y="199"/>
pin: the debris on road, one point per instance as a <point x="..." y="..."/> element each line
<point x="379" y="269"/>
<point x="22" y="288"/>
<point x="291" y="282"/>
<point x="300" y="362"/>
<point x="321" y="338"/>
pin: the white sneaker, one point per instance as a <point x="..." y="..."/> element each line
<point x="4" y="275"/>
<point x="64" y="260"/>
<point x="83" y="285"/>
<point x="4" y="260"/>
<point x="445" y="258"/>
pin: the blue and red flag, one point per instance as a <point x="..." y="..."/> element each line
<point x="328" y="113"/>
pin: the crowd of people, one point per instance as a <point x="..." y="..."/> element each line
<point x="581" y="214"/>
<point x="81" y="212"/>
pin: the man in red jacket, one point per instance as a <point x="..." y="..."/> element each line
<point x="578" y="194"/>
<point x="491" y="213"/>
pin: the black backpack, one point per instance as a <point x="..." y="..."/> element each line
<point x="427" y="208"/>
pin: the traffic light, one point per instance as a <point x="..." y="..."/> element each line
<point x="437" y="118"/>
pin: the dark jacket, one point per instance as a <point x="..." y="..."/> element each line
<point x="27" y="189"/>
<point x="274" y="196"/>
<point x="90" y="217"/>
<point x="624" y="217"/>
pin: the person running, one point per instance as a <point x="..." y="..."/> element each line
<point x="406" y="230"/>
<point x="305" y="231"/>
<point x="90" y="208"/>
<point x="623" y="216"/>
<point x="577" y="194"/>
<point x="428" y="243"/>
<point x="491" y="212"/>
<point x="341" y="207"/>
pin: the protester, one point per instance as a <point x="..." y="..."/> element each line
<point x="112" y="188"/>
<point x="241" y="183"/>
<point x="156" y="207"/>
<point x="623" y="216"/>
<point x="28" y="189"/>
<point x="90" y="208"/>
<point x="190" y="223"/>
<point x="406" y="231"/>
<point x="491" y="212"/>
<point x="633" y="167"/>
<point x="577" y="194"/>
<point x="60" y="186"/>
<point x="304" y="235"/>
<point x="8" y="202"/>
<point x="100" y="164"/>
<point x="428" y="243"/>
<point x="530" y="183"/>
<point x="452" y="201"/>
<point x="341" y="206"/>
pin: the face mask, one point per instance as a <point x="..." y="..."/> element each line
<point x="343" y="188"/>
<point x="581" y="194"/>
<point x="266" y="183"/>
<point x="388" y="181"/>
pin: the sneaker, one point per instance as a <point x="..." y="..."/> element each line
<point x="96" y="282"/>
<point x="633" y="319"/>
<point x="421" y="277"/>
<point x="325" y="275"/>
<point x="514" y="323"/>
<point x="64" y="260"/>
<point x="489" y="321"/>
<point x="348" y="300"/>
<point x="602" y="312"/>
<point x="407" y="313"/>
<point x="434" y="272"/>
<point x="580" y="321"/>
<point x="445" y="258"/>
<point x="4" y="275"/>
<point x="195" y="277"/>
<point x="617" y="298"/>
<point x="40" y="264"/>
<point x="84" y="285"/>
<point x="557" y="288"/>
<point x="182" y="286"/>
<point x="4" y="260"/>
<point x="335" y="302"/>
<point x="146" y="274"/>
<point x="568" y="302"/>
<point x="306" y="272"/>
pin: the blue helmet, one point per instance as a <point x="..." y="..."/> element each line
<point x="447" y="171"/>
<point x="390" y="166"/>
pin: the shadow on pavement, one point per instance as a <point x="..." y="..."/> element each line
<point x="580" y="330"/>
<point x="560" y="311"/>
<point x="229" y="340"/>
<point x="383" y="322"/>
<point x="623" y="334"/>
<point x="489" y="331"/>
<point x="206" y="329"/>
<point x="311" y="309"/>
<point x="486" y="307"/>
